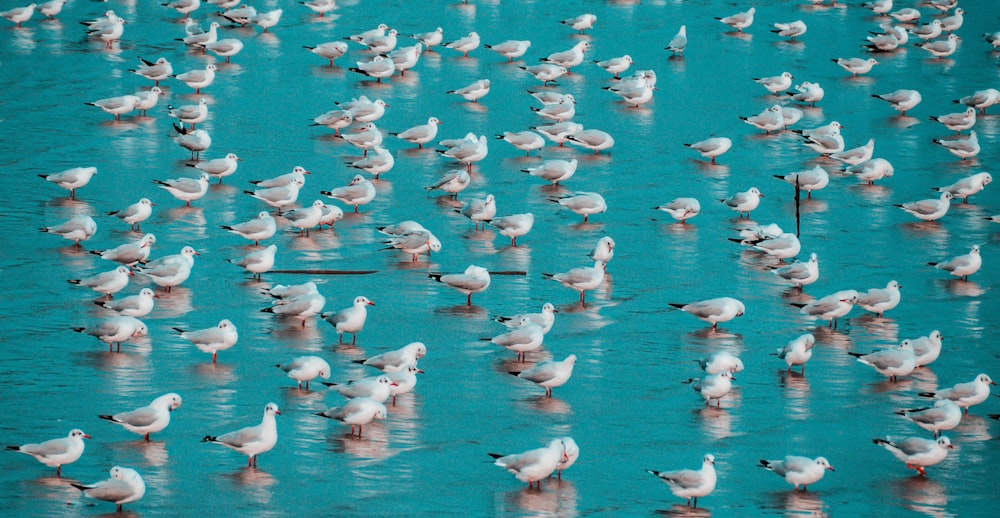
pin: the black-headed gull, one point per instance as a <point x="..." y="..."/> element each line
<point x="226" y="47"/>
<point x="583" y="203"/>
<point x="568" y="58"/>
<point x="554" y="170"/>
<point x="279" y="196"/>
<point x="744" y="202"/>
<point x="572" y="450"/>
<point x="381" y="161"/>
<point x="118" y="105"/>
<point x="941" y="48"/>
<point x="185" y="7"/>
<point x="300" y="305"/>
<point x="902" y="100"/>
<point x="768" y="120"/>
<point x="186" y="189"/>
<point x="330" y="50"/>
<point x="414" y="243"/>
<point x="943" y="416"/>
<point x="957" y="121"/>
<point x="76" y="229"/>
<point x="526" y="141"/>
<point x="358" y="412"/>
<point x="880" y="300"/>
<point x="690" y="483"/>
<point x="712" y="148"/>
<point x="403" y="381"/>
<point x="962" y="147"/>
<point x="135" y="213"/>
<point x="874" y="169"/>
<point x="581" y="279"/>
<point x="124" y="487"/>
<point x="195" y="141"/>
<point x="257" y="262"/>
<point x="831" y="307"/>
<point x="305" y="218"/>
<point x="544" y="319"/>
<point x="917" y="452"/>
<point x="798" y="471"/>
<point x="370" y="33"/>
<point x="905" y="15"/>
<point x="258" y="229"/>
<point x="713" y="386"/>
<point x="108" y="283"/>
<point x="549" y="374"/>
<point x="266" y="20"/>
<point x="350" y="320"/>
<point x="603" y="251"/>
<point x="791" y="30"/>
<point x="239" y="15"/>
<point x="155" y="71"/>
<point x="808" y="92"/>
<point x="615" y="65"/>
<point x="296" y="176"/>
<point x="19" y="15"/>
<point x="965" y="394"/>
<point x="475" y="279"/>
<point x="681" y="209"/>
<point x="429" y="39"/>
<point x="420" y="134"/>
<point x="679" y="42"/>
<point x="480" y="210"/>
<point x="776" y="84"/>
<point x="857" y="155"/>
<point x="981" y="99"/>
<point x="71" y="179"/>
<point x="252" y="440"/>
<point x="320" y="7"/>
<point x="739" y="21"/>
<point x="382" y="44"/>
<point x="363" y="109"/>
<point x="202" y="37"/>
<point x="561" y="111"/>
<point x="879" y="7"/>
<point x="893" y="363"/>
<point x="800" y="273"/>
<point x="808" y="180"/>
<point x="927" y="31"/>
<point x="474" y="91"/>
<point x="356" y="193"/>
<point x="513" y="225"/>
<point x="115" y="330"/>
<point x="138" y="305"/>
<point x="396" y="360"/>
<point x="581" y="22"/>
<point x="782" y="246"/>
<point x="533" y="465"/>
<point x="170" y="270"/>
<point x="546" y="72"/>
<point x="56" y="452"/>
<point x="469" y="151"/>
<point x="929" y="209"/>
<point x="334" y="119"/>
<point x="593" y="139"/>
<point x="967" y="186"/>
<point x="306" y="368"/>
<point x="856" y="66"/>
<point x="378" y="388"/>
<point x="129" y="253"/>
<point x="559" y="131"/>
<point x="798" y="351"/>
<point x="927" y="348"/>
<point x="149" y="419"/>
<point x="720" y="361"/>
<point x="379" y="68"/>
<point x="465" y="44"/>
<point x="212" y="339"/>
<point x="198" y="78"/>
<point x="191" y="114"/>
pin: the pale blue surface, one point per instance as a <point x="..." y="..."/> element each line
<point x="625" y="405"/>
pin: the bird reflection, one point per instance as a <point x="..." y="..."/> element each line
<point x="684" y="511"/>
<point x="373" y="445"/>
<point x="923" y="495"/>
<point x="960" y="288"/>
<point x="173" y="303"/>
<point x="558" y="498"/>
<point x="717" y="422"/>
<point x="549" y="405"/>
<point x="463" y="310"/>
<point x="800" y="503"/>
<point x="255" y="483"/>
<point x="218" y="372"/>
<point x="885" y="329"/>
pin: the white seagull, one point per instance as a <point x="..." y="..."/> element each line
<point x="212" y="339"/>
<point x="252" y="440"/>
<point x="962" y="266"/>
<point x="149" y="419"/>
<point x="350" y="320"/>
<point x="56" y="452"/>
<point x="798" y="471"/>
<point x="125" y="486"/>
<point x="475" y="279"/>
<point x="690" y="483"/>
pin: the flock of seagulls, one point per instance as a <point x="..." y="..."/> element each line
<point x="383" y="58"/>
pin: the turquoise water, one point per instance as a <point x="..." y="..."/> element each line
<point x="626" y="405"/>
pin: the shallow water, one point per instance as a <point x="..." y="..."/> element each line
<point x="626" y="405"/>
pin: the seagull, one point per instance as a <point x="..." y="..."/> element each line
<point x="874" y="169"/>
<point x="257" y="261"/>
<point x="593" y="139"/>
<point x="927" y="348"/>
<point x="690" y="483"/>
<point x="320" y="7"/>
<point x="533" y="465"/>
<point x="186" y="189"/>
<point x="808" y="92"/>
<point x="358" y="412"/>
<point x="452" y="182"/>
<point x="581" y="23"/>
<point x="941" y="48"/>
<point x="927" y="31"/>
<point x="480" y="209"/>
<point x="76" y="229"/>
<point x="549" y="374"/>
<point x="546" y="72"/>
<point x="71" y="179"/>
<point x="125" y="486"/>
<point x="561" y="111"/>
<point x="138" y="305"/>
<point x="266" y="20"/>
<point x="396" y="360"/>
<point x="117" y="106"/>
<point x="559" y="132"/>
<point x="330" y="50"/>
<point x="465" y="44"/>
<point x="957" y="121"/>
<point x="350" y="320"/>
<point x="963" y="148"/>
<point x="944" y="415"/>
<point x="526" y="141"/>
<point x="545" y="319"/>
<point x="981" y="99"/>
<point x="403" y="381"/>
<point x="798" y="471"/>
<point x="198" y="78"/>
<point x="800" y="273"/>
<point x="681" y="209"/>
<point x="720" y="361"/>
<point x="219" y="167"/>
<point x="306" y="218"/>
<point x="798" y="351"/>
<point x="306" y="368"/>
<point x="194" y="141"/>
<point x="377" y="388"/>
<point x="744" y="201"/>
<point x="474" y="91"/>
<point x="430" y="39"/>
<point x="678" y="42"/>
<point x="967" y="186"/>
<point x="359" y="192"/>
<point x="808" y="180"/>
<point x="776" y="84"/>
<point x="713" y="311"/>
<point x="420" y="134"/>
<point x="790" y="29"/>
<point x="510" y="49"/>
<point x="713" y="386"/>
<point x="115" y="329"/>
<point x="906" y="15"/>
<point x="962" y="266"/>
<point x="107" y="283"/>
<point x="252" y="440"/>
<point x="929" y="210"/>
<point x="19" y="15"/>
<point x="583" y="203"/>
<point x="581" y="279"/>
<point x="414" y="242"/>
<point x="129" y="253"/>
<point x="917" y="452"/>
<point x="281" y="195"/>
<point x="615" y="65"/>
<point x="155" y="71"/>
<point x="712" y="148"/>
<point x="379" y="68"/>
<point x="603" y="251"/>
<point x="56" y="452"/>
<point x="513" y="226"/>
<point x="475" y="279"/>
<point x="190" y="113"/>
<point x="739" y="21"/>
<point x="258" y="229"/>
<point x="149" y="419"/>
<point x="902" y="100"/>
<point x="212" y="339"/>
<point x="890" y="362"/>
<point x="965" y="394"/>
<point x="554" y="170"/>
<point x="768" y="120"/>
<point x="880" y="300"/>
<point x="300" y="305"/>
<point x="568" y="58"/>
<point x="856" y="66"/>
<point x="831" y="307"/>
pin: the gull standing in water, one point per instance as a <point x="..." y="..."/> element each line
<point x="56" y="452"/>
<point x="690" y="483"/>
<point x="252" y="440"/>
